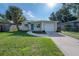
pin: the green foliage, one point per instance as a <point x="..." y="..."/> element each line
<point x="73" y="7"/>
<point x="63" y="15"/>
<point x="15" y="14"/>
<point x="8" y="15"/>
<point x="3" y="19"/>
<point x="52" y="17"/>
<point x="39" y="32"/>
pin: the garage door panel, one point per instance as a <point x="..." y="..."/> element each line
<point x="49" y="27"/>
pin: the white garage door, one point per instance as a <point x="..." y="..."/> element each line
<point x="49" y="27"/>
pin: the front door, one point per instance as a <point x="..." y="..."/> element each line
<point x="32" y="27"/>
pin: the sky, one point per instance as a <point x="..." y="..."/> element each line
<point x="33" y="11"/>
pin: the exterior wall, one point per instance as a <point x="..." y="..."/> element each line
<point x="4" y="27"/>
<point x="24" y="26"/>
<point x="7" y="27"/>
<point x="21" y="27"/>
<point x="55" y="26"/>
<point x="42" y="26"/>
<point x="13" y="28"/>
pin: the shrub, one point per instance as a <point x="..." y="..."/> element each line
<point x="39" y="32"/>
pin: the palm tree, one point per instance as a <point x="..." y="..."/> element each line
<point x="15" y="14"/>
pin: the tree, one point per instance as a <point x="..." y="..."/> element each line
<point x="52" y="17"/>
<point x="74" y="8"/>
<point x="63" y="14"/>
<point x="58" y="16"/>
<point x="3" y="18"/>
<point x="15" y="14"/>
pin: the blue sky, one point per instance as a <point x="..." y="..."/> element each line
<point x="33" y="11"/>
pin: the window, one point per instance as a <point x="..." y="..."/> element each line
<point x="38" y="25"/>
<point x="26" y="24"/>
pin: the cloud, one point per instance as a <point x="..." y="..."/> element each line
<point x="28" y="14"/>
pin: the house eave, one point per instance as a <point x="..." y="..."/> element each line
<point x="40" y="21"/>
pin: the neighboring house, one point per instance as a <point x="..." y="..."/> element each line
<point x="4" y="27"/>
<point x="4" y="24"/>
<point x="72" y="25"/>
<point x="40" y="26"/>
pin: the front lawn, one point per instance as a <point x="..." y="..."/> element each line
<point x="20" y="44"/>
<point x="72" y="34"/>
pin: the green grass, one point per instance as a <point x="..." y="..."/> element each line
<point x="72" y="34"/>
<point x="22" y="44"/>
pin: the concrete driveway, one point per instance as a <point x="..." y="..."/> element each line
<point x="68" y="45"/>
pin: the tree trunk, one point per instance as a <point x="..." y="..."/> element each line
<point x="17" y="27"/>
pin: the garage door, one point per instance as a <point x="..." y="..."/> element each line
<point x="49" y="27"/>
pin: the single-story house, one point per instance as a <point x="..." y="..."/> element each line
<point x="40" y="26"/>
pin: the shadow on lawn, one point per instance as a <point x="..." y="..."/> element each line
<point x="20" y="33"/>
<point x="24" y="33"/>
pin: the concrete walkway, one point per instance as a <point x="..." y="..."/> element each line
<point x="68" y="45"/>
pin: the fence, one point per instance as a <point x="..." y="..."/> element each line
<point x="71" y="28"/>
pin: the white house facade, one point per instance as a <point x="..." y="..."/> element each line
<point x="40" y="26"/>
